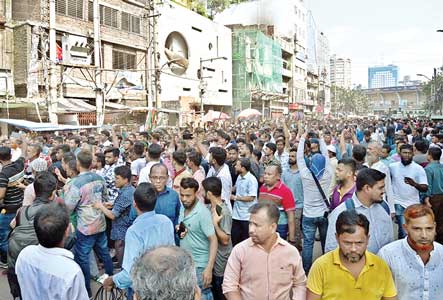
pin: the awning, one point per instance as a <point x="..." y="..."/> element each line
<point x="72" y="105"/>
<point x="34" y="126"/>
<point x="117" y="106"/>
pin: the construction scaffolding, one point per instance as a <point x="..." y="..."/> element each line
<point x="257" y="69"/>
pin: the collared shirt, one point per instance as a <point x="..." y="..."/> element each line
<point x="434" y="173"/>
<point x="245" y="186"/>
<point x="405" y="194"/>
<point x="200" y="227"/>
<point x="313" y="205"/>
<point x="282" y="196"/>
<point x="292" y="180"/>
<point x="183" y="173"/>
<point x="148" y="231"/>
<point x="339" y="195"/>
<point x="226" y="179"/>
<point x="261" y="275"/>
<point x="49" y="273"/>
<point x="109" y="176"/>
<point x="274" y="161"/>
<point x="121" y="209"/>
<point x="283" y="159"/>
<point x="380" y="231"/>
<point x="80" y="194"/>
<point x="414" y="279"/>
<point x="168" y="204"/>
<point x="329" y="278"/>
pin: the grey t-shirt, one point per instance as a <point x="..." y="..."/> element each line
<point x="223" y="252"/>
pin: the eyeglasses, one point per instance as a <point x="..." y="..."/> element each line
<point x="158" y="178"/>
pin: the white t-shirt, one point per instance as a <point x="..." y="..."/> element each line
<point x="137" y="165"/>
<point x="226" y="179"/>
<point x="405" y="194"/>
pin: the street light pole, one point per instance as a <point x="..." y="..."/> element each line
<point x="202" y="82"/>
<point x="433" y="98"/>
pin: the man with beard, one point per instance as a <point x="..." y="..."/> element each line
<point x="231" y="160"/>
<point x="345" y="176"/>
<point x="350" y="271"/>
<point x="416" y="261"/>
<point x="408" y="180"/>
<point x="370" y="185"/>
<point x="373" y="160"/>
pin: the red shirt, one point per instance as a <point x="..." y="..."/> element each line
<point x="280" y="194"/>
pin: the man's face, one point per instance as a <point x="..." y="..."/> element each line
<point x="232" y="155"/>
<point x="31" y="152"/>
<point x="292" y="158"/>
<point x="376" y="192"/>
<point x="120" y="181"/>
<point x="110" y="159"/>
<point x="314" y="148"/>
<point x="373" y="153"/>
<point x="384" y="153"/>
<point x="352" y="246"/>
<point x="271" y="176"/>
<point x="421" y="232"/>
<point x="159" y="178"/>
<point x="406" y="156"/>
<point x="260" y="228"/>
<point x="188" y="197"/>
<point x="221" y="141"/>
<point x="342" y="172"/>
<point x="59" y="154"/>
<point x="238" y="167"/>
<point x="280" y="147"/>
<point x="126" y="145"/>
<point x="242" y="150"/>
<point x="267" y="151"/>
<point x="434" y="139"/>
<point x="103" y="138"/>
<point x="72" y="144"/>
<point x="327" y="139"/>
<point x="55" y="143"/>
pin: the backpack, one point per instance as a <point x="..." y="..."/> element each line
<point x="22" y="235"/>
<point x="351" y="206"/>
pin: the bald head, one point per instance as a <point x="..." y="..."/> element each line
<point x="159" y="168"/>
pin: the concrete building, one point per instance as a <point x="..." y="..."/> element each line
<point x="383" y="76"/>
<point x="318" y="65"/>
<point x="341" y="72"/>
<point x="6" y="38"/>
<point x="284" y="21"/>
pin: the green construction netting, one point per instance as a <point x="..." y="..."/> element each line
<point x="256" y="66"/>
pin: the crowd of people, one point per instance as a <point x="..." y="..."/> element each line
<point x="226" y="212"/>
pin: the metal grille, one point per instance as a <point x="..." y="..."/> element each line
<point x="108" y="16"/>
<point x="122" y="59"/>
<point x="90" y="11"/>
<point x="72" y="8"/>
<point x="60" y="7"/>
<point x="135" y="24"/>
<point x="125" y="21"/>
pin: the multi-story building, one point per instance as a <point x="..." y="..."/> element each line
<point x="383" y="76"/>
<point x="284" y="21"/>
<point x="341" y="72"/>
<point x="318" y="65"/>
<point x="6" y="37"/>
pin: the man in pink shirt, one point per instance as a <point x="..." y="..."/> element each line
<point x="198" y="173"/>
<point x="264" y="266"/>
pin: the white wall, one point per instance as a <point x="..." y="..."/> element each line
<point x="176" y="18"/>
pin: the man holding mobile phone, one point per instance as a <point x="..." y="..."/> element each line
<point x="222" y="220"/>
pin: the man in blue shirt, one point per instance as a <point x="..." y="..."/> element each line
<point x="148" y="231"/>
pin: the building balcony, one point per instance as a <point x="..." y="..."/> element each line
<point x="286" y="72"/>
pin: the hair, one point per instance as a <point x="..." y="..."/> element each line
<point x="417" y="211"/>
<point x="387" y="147"/>
<point x="156" y="136"/>
<point x="272" y="211"/>
<point x="59" y="139"/>
<point x="154" y="151"/>
<point x="349" y="162"/>
<point x="84" y="158"/>
<point x="195" y="158"/>
<point x="257" y="154"/>
<point x="72" y="166"/>
<point x="250" y="147"/>
<point x="359" y="153"/>
<point x="348" y="220"/>
<point x="138" y="148"/>
<point x="240" y="141"/>
<point x="106" y="133"/>
<point x="145" y="196"/>
<point x="164" y="273"/>
<point x="293" y="149"/>
<point x="421" y="146"/>
<point x="224" y="136"/>
<point x="115" y="152"/>
<point x="180" y="157"/>
<point x="50" y="224"/>
<point x="218" y="154"/>
<point x="245" y="163"/>
<point x="68" y="156"/>
<point x="101" y="158"/>
<point x="5" y="153"/>
<point x="38" y="149"/>
<point x="435" y="153"/>
<point x="65" y="148"/>
<point x="214" y="185"/>
<point x="406" y="147"/>
<point x="124" y="172"/>
<point x="44" y="184"/>
<point x="277" y="166"/>
<point x="272" y="147"/>
<point x="232" y="147"/>
<point x="369" y="177"/>
<point x="280" y="140"/>
<point x="189" y="183"/>
<point x="159" y="165"/>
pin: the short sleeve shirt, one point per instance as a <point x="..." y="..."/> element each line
<point x="199" y="225"/>
<point x="245" y="186"/>
<point x="223" y="251"/>
<point x="120" y="210"/>
<point x="11" y="173"/>
<point x="282" y="196"/>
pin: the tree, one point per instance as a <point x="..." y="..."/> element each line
<point x="347" y="101"/>
<point x="433" y="91"/>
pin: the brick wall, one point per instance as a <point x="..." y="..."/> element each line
<point x="22" y="46"/>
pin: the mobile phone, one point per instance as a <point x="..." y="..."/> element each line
<point x="218" y="210"/>
<point x="181" y="228"/>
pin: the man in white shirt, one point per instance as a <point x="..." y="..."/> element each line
<point x="408" y="180"/>
<point x="47" y="270"/>
<point x="416" y="262"/>
<point x="221" y="170"/>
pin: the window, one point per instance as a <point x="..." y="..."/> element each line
<point x="90" y="11"/>
<point x="123" y="59"/>
<point x="130" y="23"/>
<point x="108" y="16"/>
<point x="72" y="8"/>
<point x="135" y="24"/>
<point x="126" y="21"/>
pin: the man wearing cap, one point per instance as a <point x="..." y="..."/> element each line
<point x="37" y="165"/>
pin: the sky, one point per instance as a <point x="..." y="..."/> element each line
<point x="382" y="32"/>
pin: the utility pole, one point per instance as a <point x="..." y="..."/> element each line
<point x="99" y="101"/>
<point x="52" y="97"/>
<point x="153" y="56"/>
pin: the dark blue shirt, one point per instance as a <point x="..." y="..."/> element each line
<point x="120" y="210"/>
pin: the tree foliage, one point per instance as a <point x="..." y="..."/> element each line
<point x="352" y="101"/>
<point x="433" y="91"/>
